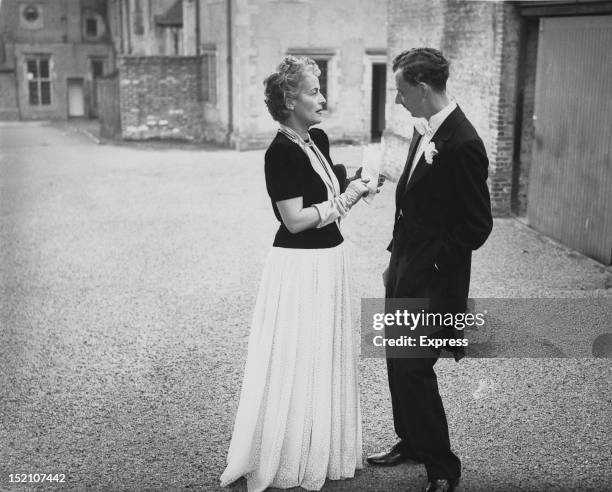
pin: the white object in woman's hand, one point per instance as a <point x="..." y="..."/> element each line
<point x="372" y="160"/>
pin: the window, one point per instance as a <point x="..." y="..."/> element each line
<point x="31" y="16"/>
<point x="31" y="13"/>
<point x="39" y="81"/>
<point x="209" y="75"/>
<point x="97" y="68"/>
<point x="91" y="27"/>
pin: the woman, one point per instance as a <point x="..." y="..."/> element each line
<point x="299" y="419"/>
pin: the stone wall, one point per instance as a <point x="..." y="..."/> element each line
<point x="343" y="33"/>
<point x="8" y="96"/>
<point x="213" y="31"/>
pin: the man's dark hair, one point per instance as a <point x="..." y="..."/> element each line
<point x="423" y="65"/>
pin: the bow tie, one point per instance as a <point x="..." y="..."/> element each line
<point x="422" y="126"/>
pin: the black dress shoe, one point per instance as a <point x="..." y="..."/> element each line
<point x="442" y="485"/>
<point x="390" y="458"/>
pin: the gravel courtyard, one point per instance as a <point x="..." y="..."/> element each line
<point x="129" y="273"/>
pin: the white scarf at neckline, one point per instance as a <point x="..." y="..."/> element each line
<point x="317" y="160"/>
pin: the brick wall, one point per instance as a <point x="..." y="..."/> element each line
<point x="481" y="40"/>
<point x="161" y="97"/>
<point x="502" y="109"/>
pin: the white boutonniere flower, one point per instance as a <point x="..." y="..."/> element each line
<point x="430" y="152"/>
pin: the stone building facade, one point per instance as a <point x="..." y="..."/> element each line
<point x="347" y="39"/>
<point x="51" y="53"/>
<point x="147" y="27"/>
<point x="235" y="44"/>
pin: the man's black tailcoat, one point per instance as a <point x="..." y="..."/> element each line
<point x="442" y="214"/>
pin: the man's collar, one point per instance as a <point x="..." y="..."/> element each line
<point x="437" y="119"/>
<point x="431" y="126"/>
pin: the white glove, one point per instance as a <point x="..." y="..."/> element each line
<point x="331" y="210"/>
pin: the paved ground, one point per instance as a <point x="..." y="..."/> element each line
<point x="128" y="280"/>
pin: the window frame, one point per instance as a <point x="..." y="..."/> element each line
<point x="39" y="80"/>
<point x="31" y="7"/>
<point x="89" y="22"/>
<point x="91" y="16"/>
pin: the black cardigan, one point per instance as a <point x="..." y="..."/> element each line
<point x="289" y="174"/>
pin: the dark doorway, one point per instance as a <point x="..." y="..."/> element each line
<point x="379" y="89"/>
<point x="97" y="71"/>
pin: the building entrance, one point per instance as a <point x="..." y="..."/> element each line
<point x="76" y="97"/>
<point x="379" y="89"/>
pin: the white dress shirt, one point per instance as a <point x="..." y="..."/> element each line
<point x="434" y="123"/>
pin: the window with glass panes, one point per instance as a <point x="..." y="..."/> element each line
<point x="91" y="27"/>
<point x="39" y="81"/>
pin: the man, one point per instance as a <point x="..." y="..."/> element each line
<point x="443" y="212"/>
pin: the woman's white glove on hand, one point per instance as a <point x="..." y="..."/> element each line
<point x="331" y="210"/>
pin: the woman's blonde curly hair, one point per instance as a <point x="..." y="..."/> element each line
<point x="284" y="84"/>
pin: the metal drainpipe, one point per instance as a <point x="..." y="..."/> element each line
<point x="128" y="29"/>
<point x="197" y="33"/>
<point x="230" y="85"/>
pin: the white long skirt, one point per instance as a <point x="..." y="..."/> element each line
<point x="299" y="419"/>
